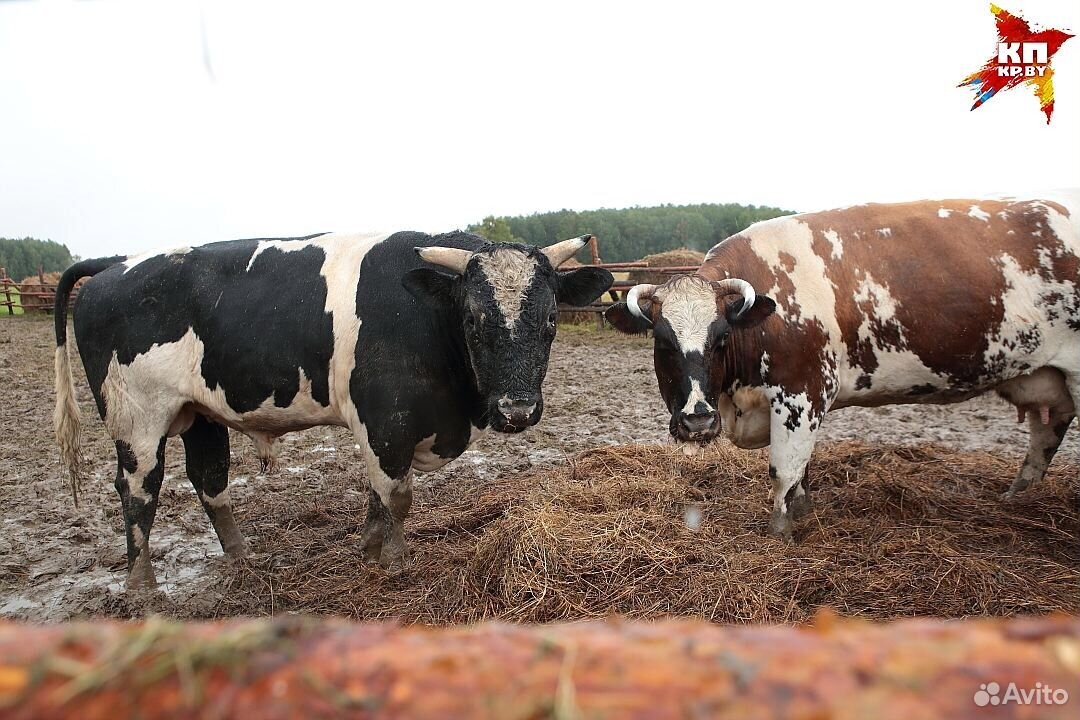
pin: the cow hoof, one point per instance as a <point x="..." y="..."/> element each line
<point x="784" y="537"/>
<point x="141" y="579"/>
<point x="141" y="572"/>
<point x="394" y="562"/>
<point x="394" y="558"/>
<point x="371" y="542"/>
<point x="780" y="527"/>
<point x="372" y="550"/>
<point x="237" y="550"/>
<point x="1010" y="494"/>
<point x="140" y="587"/>
<point x="800" y="506"/>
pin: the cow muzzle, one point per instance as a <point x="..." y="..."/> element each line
<point x="695" y="427"/>
<point x="512" y="415"/>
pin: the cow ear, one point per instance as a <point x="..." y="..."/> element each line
<point x="582" y="286"/>
<point x="625" y="321"/>
<point x="763" y="307"/>
<point x="430" y="286"/>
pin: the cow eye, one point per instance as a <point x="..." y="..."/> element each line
<point x="553" y="318"/>
<point x="470" y="320"/>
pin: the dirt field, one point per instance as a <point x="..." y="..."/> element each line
<point x="58" y="562"/>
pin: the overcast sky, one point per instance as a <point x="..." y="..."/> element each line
<point x="130" y="126"/>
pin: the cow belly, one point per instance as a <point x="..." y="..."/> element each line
<point x="162" y="389"/>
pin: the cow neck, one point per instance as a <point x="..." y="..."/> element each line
<point x="459" y="369"/>
<point x="742" y="358"/>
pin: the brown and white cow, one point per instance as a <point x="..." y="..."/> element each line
<point x="921" y="302"/>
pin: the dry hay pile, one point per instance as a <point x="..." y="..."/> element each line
<point x="680" y="257"/>
<point x="34" y="284"/>
<point x="897" y="532"/>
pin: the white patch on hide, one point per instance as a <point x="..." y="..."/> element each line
<point x="898" y="369"/>
<point x="131" y="262"/>
<point x="219" y="500"/>
<point x="509" y="272"/>
<point x="837" y="244"/>
<point x="341" y="269"/>
<point x="814" y="297"/>
<point x="144" y="398"/>
<point x="689" y="305"/>
<point x="696" y="396"/>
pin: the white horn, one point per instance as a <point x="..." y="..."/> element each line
<point x="560" y="252"/>
<point x="734" y="285"/>
<point x="450" y="258"/>
<point x="632" y="300"/>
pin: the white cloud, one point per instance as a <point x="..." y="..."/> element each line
<point x="115" y="136"/>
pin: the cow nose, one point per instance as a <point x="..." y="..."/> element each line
<point x="517" y="412"/>
<point x="698" y="422"/>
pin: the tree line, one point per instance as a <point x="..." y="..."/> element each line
<point x="630" y="233"/>
<point x="22" y="257"/>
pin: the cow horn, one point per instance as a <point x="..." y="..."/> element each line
<point x="450" y="258"/>
<point x="560" y="252"/>
<point x="636" y="293"/>
<point x="734" y="285"/>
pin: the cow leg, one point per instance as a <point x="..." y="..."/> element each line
<point x="206" y="448"/>
<point x="371" y="540"/>
<point x="394" y="550"/>
<point x="138" y="481"/>
<point x="800" y="503"/>
<point x="1043" y="442"/>
<point x="789" y="454"/>
<point x="383" y="539"/>
<point x="388" y="505"/>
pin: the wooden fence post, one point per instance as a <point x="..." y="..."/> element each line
<point x="594" y="256"/>
<point x="7" y="291"/>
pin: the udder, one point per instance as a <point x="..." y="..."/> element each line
<point x="744" y="418"/>
<point x="1041" y="392"/>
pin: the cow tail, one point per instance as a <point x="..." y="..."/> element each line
<point x="66" y="420"/>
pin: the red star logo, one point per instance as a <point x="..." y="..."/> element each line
<point x="1023" y="56"/>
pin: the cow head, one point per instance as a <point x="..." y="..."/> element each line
<point x="504" y="297"/>
<point x="695" y="323"/>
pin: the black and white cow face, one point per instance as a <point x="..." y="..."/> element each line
<point x="692" y="321"/>
<point x="505" y="299"/>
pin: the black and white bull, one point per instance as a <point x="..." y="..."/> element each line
<point x="924" y="302"/>
<point x="416" y="343"/>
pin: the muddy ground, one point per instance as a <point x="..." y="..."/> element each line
<point x="58" y="562"/>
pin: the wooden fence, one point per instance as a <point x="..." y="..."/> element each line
<point x="619" y="289"/>
<point x="10" y="295"/>
<point x="32" y="296"/>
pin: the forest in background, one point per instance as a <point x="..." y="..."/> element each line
<point x="630" y="233"/>
<point x="626" y="234"/>
<point x="22" y="257"/>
